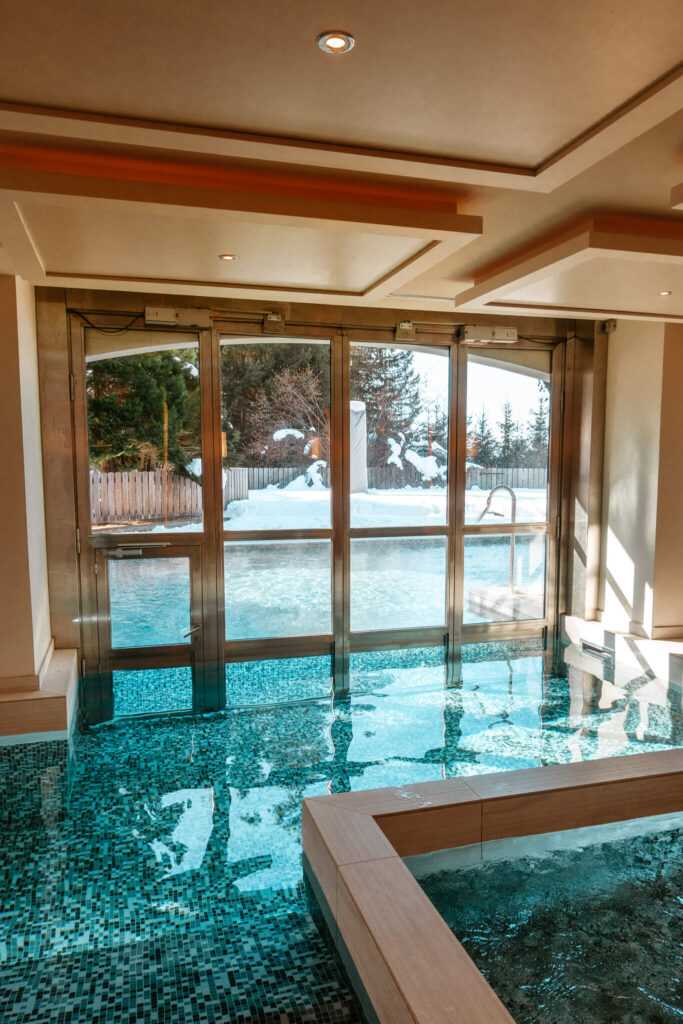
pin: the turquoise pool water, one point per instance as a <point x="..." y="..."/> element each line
<point x="153" y="871"/>
<point x="580" y="926"/>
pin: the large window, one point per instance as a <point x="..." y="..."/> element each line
<point x="398" y="445"/>
<point x="506" y="485"/>
<point x="305" y="494"/>
<point x="275" y="434"/>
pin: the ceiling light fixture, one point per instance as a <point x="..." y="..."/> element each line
<point x="227" y="256"/>
<point x="336" y="42"/>
<point x="665" y="293"/>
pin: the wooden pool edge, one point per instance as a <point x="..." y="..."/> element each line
<point x="404" y="959"/>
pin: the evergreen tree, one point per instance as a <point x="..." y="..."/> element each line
<point x="437" y="432"/>
<point x="385" y="380"/>
<point x="126" y="398"/>
<point x="506" y="428"/>
<point x="537" y="433"/>
<point x="484" y="448"/>
<point x="512" y="448"/>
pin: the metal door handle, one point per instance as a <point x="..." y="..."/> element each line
<point x="192" y="630"/>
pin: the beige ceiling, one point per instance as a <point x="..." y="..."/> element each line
<point x="94" y="238"/>
<point x="137" y="140"/>
<point x="608" y="283"/>
<point x="481" y="79"/>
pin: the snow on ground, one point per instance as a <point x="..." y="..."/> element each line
<point x="298" y="507"/>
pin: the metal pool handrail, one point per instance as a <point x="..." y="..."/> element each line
<point x="513" y="519"/>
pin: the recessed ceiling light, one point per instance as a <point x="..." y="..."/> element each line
<point x="336" y="42"/>
<point x="227" y="256"/>
<point x="665" y="293"/>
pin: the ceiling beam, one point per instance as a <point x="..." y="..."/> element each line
<point x="319" y="200"/>
<point x="643" y="111"/>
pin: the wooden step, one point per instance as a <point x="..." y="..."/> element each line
<point x="48" y="709"/>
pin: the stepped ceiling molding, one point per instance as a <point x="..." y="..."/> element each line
<point x="605" y="266"/>
<point x="446" y="163"/>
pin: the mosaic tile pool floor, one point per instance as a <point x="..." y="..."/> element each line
<point x="153" y="872"/>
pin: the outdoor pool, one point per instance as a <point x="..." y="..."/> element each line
<point x="154" y="871"/>
<point x="284" y="588"/>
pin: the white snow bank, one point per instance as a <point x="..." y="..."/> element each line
<point x="395" y="456"/>
<point x="280" y="435"/>
<point x="426" y="465"/>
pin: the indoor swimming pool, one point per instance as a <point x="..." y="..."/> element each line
<point x="153" y="871"/>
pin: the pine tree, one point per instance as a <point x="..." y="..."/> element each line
<point x="512" y="449"/>
<point x="385" y="380"/>
<point x="537" y="433"/>
<point x="484" y="449"/>
<point x="126" y="398"/>
<point x="506" y="428"/>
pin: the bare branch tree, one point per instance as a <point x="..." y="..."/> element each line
<point x="295" y="403"/>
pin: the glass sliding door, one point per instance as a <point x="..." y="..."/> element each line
<point x="506" y="486"/>
<point x="142" y="416"/>
<point x="398" y="448"/>
<point x="277" y="534"/>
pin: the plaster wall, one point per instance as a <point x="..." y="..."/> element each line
<point x="635" y="367"/>
<point x="24" y="606"/>
<point x="668" y="591"/>
<point x="33" y="469"/>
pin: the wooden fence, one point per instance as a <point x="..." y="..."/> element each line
<point x="524" y="476"/>
<point x="143" y="497"/>
<point x="384" y="477"/>
<point x="156" y="496"/>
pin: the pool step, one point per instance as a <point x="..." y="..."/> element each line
<point x="47" y="708"/>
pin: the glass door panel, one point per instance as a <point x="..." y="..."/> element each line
<point x="275" y="434"/>
<point x="149" y="602"/>
<point x="508" y="434"/>
<point x="278" y="588"/>
<point x="398" y="439"/>
<point x="152" y="638"/>
<point x="504" y="577"/>
<point x="398" y="443"/>
<point x="144" y="431"/>
<point x="398" y="583"/>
